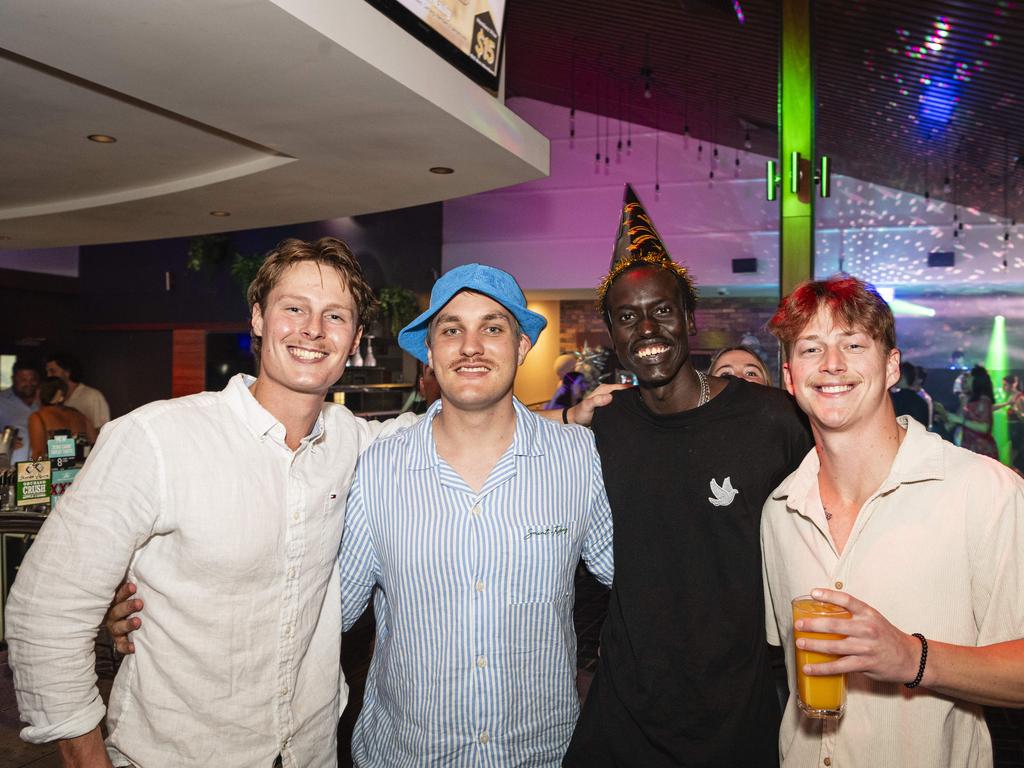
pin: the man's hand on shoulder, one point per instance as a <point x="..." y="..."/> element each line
<point x="583" y="412"/>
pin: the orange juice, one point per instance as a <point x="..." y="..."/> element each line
<point x="818" y="696"/>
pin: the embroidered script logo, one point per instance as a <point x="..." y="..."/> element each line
<point x="554" y="530"/>
<point x="724" y="493"/>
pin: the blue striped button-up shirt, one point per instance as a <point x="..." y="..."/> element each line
<point x="475" y="659"/>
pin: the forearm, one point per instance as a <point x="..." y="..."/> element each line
<point x="86" y="751"/>
<point x="992" y="675"/>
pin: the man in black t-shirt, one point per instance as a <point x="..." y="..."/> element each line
<point x="683" y="677"/>
<point x="905" y="399"/>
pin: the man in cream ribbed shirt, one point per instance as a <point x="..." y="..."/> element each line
<point x="226" y="508"/>
<point x="909" y="533"/>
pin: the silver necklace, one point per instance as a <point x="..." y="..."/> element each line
<point x="705" y="390"/>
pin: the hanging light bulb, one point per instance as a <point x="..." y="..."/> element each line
<point x="946" y="186"/>
<point x="747" y="144"/>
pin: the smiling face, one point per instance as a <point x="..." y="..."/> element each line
<point x="742" y="365"/>
<point x="309" y="327"/>
<point x="649" y="325"/>
<point x="840" y="377"/>
<point x="475" y="352"/>
<point x="25" y="384"/>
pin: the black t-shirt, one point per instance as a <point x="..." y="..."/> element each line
<point x="683" y="677"/>
<point x="907" y="402"/>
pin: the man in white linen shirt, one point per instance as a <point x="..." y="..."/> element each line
<point x="921" y="541"/>
<point x="226" y="508"/>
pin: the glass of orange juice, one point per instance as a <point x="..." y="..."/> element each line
<point x="825" y="695"/>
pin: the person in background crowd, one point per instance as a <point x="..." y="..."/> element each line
<point x="742" y="362"/>
<point x="684" y="676"/>
<point x="1014" y="405"/>
<point x="910" y="535"/>
<point x="920" y="377"/>
<point x="975" y="417"/>
<point x="18" y="403"/>
<point x="55" y="416"/>
<point x="572" y="383"/>
<point x="86" y="399"/>
<point x="474" y="519"/>
<point x="906" y="400"/>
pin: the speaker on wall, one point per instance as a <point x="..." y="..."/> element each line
<point x="744" y="265"/>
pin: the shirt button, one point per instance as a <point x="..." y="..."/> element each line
<point x="827" y="761"/>
<point x="484" y="738"/>
<point x="479" y="586"/>
<point x="295" y="515"/>
<point x="481" y="661"/>
<point x="475" y="511"/>
<point x="284" y="690"/>
<point x="291" y="573"/>
<point x="291" y="631"/>
<point x="839" y="585"/>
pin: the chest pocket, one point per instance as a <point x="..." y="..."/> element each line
<point x="331" y="523"/>
<point x="541" y="562"/>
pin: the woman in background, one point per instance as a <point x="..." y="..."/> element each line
<point x="54" y="417"/>
<point x="976" y="415"/>
<point x="740" y="361"/>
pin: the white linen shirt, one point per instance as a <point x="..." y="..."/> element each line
<point x="232" y="539"/>
<point x="938" y="549"/>
<point x="91" y="403"/>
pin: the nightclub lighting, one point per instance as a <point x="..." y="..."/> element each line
<point x="998" y="364"/>
<point x="902" y="308"/>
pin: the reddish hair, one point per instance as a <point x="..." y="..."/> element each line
<point x="853" y="304"/>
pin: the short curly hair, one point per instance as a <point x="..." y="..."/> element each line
<point x="327" y="251"/>
<point x="637" y="260"/>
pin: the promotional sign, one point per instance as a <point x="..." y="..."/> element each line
<point x="32" y="485"/>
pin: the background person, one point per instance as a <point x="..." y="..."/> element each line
<point x="742" y="362"/>
<point x="86" y="399"/>
<point x="1014" y="405"/>
<point x="55" y="416"/>
<point x="19" y="402"/>
<point x="572" y="384"/>
<point x="906" y="400"/>
<point x="975" y="417"/>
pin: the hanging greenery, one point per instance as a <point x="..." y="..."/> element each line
<point x="212" y="252"/>
<point x="399" y="305"/>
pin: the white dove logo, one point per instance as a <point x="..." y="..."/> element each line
<point x="724" y="493"/>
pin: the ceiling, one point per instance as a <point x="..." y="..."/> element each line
<point x="910" y="93"/>
<point x="272" y="111"/>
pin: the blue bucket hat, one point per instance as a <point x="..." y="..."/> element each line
<point x="489" y="281"/>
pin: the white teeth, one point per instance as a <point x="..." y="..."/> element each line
<point x="306" y="354"/>
<point x="836" y="389"/>
<point x="473" y="369"/>
<point x="651" y="351"/>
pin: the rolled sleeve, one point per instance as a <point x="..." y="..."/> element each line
<point x="65" y="584"/>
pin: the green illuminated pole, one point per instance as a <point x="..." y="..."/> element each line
<point x="796" y="146"/>
<point x="997" y="363"/>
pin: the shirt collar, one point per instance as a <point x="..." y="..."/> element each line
<point x="525" y="442"/>
<point x="918" y="459"/>
<point x="257" y="418"/>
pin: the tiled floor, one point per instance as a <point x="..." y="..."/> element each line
<point x="1007" y="726"/>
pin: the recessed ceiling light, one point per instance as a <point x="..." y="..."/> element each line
<point x="101" y="138"/>
<point x="220" y="214"/>
<point x="442" y="170"/>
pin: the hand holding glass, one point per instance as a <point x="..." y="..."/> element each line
<point x="818" y="696"/>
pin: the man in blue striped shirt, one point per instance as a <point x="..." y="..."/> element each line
<point x="469" y="526"/>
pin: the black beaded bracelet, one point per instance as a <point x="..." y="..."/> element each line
<point x="565" y="415"/>
<point x="924" y="660"/>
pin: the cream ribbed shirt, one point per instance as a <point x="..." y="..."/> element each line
<point x="938" y="549"/>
